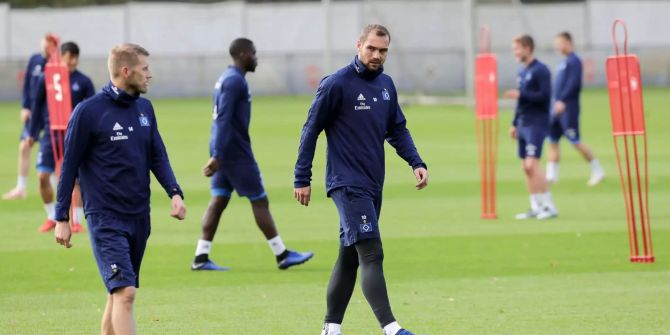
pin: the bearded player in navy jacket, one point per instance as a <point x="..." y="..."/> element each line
<point x="112" y="144"/>
<point x="358" y="108"/>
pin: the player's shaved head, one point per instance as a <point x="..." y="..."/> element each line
<point x="378" y="29"/>
<point x="124" y="55"/>
<point x="525" y="41"/>
<point x="239" y="46"/>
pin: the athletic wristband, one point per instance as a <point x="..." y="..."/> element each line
<point x="176" y="191"/>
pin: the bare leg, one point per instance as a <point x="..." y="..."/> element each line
<point x="210" y="221"/>
<point x="24" y="158"/>
<point x="264" y="221"/>
<point x="19" y="192"/>
<point x="106" y="324"/>
<point x="46" y="190"/>
<point x="123" y="322"/>
<point x="585" y="151"/>
<point x="535" y="180"/>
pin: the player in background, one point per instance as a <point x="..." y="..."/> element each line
<point x="81" y="88"/>
<point x="565" y="112"/>
<point x="33" y="71"/>
<point x="358" y="109"/>
<point x="232" y="166"/>
<point x="112" y="144"/>
<point x="531" y="125"/>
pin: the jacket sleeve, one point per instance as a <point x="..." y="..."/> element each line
<point x="543" y="93"/>
<point x="38" y="108"/>
<point x="25" y="98"/>
<point x="574" y="77"/>
<point x="77" y="137"/>
<point x="225" y="104"/>
<point x="326" y="102"/>
<point x="160" y="163"/>
<point x="399" y="137"/>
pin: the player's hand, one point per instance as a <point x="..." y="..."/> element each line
<point x="559" y="107"/>
<point x="178" y="208"/>
<point x="512" y="94"/>
<point x="211" y="167"/>
<point x="421" y="175"/>
<point x="63" y="233"/>
<point x="303" y="194"/>
<point x="25" y="115"/>
<point x="30" y="140"/>
<point x="512" y="132"/>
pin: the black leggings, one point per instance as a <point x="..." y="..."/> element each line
<point x="370" y="256"/>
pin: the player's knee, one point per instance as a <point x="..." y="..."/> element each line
<point x="219" y="202"/>
<point x="124" y="295"/>
<point x="45" y="179"/>
<point x="530" y="166"/>
<point x="370" y="251"/>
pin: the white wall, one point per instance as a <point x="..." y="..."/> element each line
<point x="189" y="42"/>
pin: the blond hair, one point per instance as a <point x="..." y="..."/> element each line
<point x="127" y="55"/>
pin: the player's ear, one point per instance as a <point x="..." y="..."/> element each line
<point x="358" y="45"/>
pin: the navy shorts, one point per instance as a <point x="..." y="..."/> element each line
<point x="359" y="211"/>
<point x="530" y="140"/>
<point x="118" y="246"/>
<point x="245" y="179"/>
<point x="45" y="156"/>
<point x="565" y="124"/>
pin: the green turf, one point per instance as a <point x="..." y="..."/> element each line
<point x="448" y="272"/>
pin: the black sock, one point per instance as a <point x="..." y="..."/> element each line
<point x="281" y="256"/>
<point x="371" y="257"/>
<point x="202" y="258"/>
<point x="341" y="285"/>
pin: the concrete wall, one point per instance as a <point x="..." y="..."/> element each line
<point x="189" y="42"/>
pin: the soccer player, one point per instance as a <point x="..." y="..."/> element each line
<point x="358" y="109"/>
<point x="33" y="71"/>
<point x="531" y="125"/>
<point x="565" y="116"/>
<point x="232" y="165"/>
<point x="81" y="88"/>
<point x="112" y="144"/>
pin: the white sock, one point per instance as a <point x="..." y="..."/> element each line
<point x="552" y="170"/>
<point x="392" y="328"/>
<point x="535" y="202"/>
<point x="21" y="182"/>
<point x="54" y="181"/>
<point x="79" y="214"/>
<point x="548" y="200"/>
<point x="331" y="329"/>
<point x="51" y="210"/>
<point x="204" y="247"/>
<point x="277" y="245"/>
<point x="595" y="165"/>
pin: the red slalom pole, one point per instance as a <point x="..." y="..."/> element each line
<point x="57" y="81"/>
<point x="486" y="114"/>
<point x="624" y="83"/>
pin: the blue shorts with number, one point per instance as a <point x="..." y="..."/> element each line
<point x="245" y="179"/>
<point x="118" y="246"/>
<point x="566" y="124"/>
<point x="45" y="156"/>
<point x="359" y="211"/>
<point x="530" y="140"/>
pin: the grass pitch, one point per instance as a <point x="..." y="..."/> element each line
<point x="448" y="272"/>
